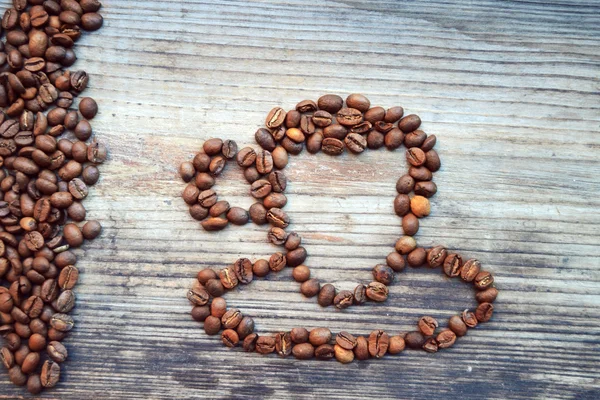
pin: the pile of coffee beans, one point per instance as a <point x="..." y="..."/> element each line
<point x="332" y="126"/>
<point x="46" y="166"/>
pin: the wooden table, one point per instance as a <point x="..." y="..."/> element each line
<point x="509" y="88"/>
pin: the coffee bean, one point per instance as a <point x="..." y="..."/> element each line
<point x="321" y="119"/>
<point x="198" y="297"/>
<point x="445" y="339"/>
<point x="215" y="287"/>
<point x="401" y="205"/>
<point x="414" y="340"/>
<point x="345" y="340"/>
<point x="356" y="143"/>
<point x="299" y="335"/>
<point x="91" y="21"/>
<point x="428" y="143"/>
<point x="314" y="143"/>
<point x="260" y="188"/>
<point x="277" y="262"/>
<point x="306" y="106"/>
<point x="436" y="256"/>
<point x="264" y="162"/>
<point x="293" y="241"/>
<point x="384" y="274"/>
<point x="278" y="181"/>
<point x="484" y="312"/>
<point x="199" y="313"/>
<point x="344" y="356"/>
<point x="415" y="138"/>
<point x="432" y="161"/>
<point x="292" y="119"/>
<point x="358" y="101"/>
<point x="417" y="257"/>
<point x="361" y="351"/>
<point x="374" y="114"/>
<point x="331" y="103"/>
<point x="332" y="146"/>
<point x="396" y="345"/>
<point x="277" y="217"/>
<point x="360" y="294"/>
<point x="349" y="117"/>
<point x="319" y="336"/>
<point x="296" y="257"/>
<point x="230" y="338"/>
<point x="310" y="288"/>
<point x="212" y="325"/>
<point x="427" y="325"/>
<point x="456" y="325"/>
<point x="88" y="107"/>
<point x="487" y="296"/>
<point x="16" y="376"/>
<point x="378" y="343"/>
<point x="430" y="345"/>
<point x="283" y="344"/>
<point x="264" y="138"/>
<point x="245" y="327"/>
<point x="212" y="147"/>
<point x="261" y="268"/>
<point x="265" y="344"/>
<point x="452" y="265"/>
<point x="377" y="291"/>
<point x="470" y="270"/>
<point x="243" y="270"/>
<point x="303" y="351"/>
<point x="307" y="126"/>
<point x="409" y="123"/>
<point x="483" y="280"/>
<point x="469" y="318"/>
<point x="228" y="278"/>
<point x="258" y="213"/>
<point x="425" y="189"/>
<point x="280" y="157"/>
<point x="335" y="131"/>
<point x="275" y="118"/>
<point x="343" y="299"/>
<point x="301" y="273"/>
<point x="326" y="295"/>
<point x="410" y="224"/>
<point x="249" y="343"/>
<point x="237" y="216"/>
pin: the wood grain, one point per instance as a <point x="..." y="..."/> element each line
<point x="511" y="89"/>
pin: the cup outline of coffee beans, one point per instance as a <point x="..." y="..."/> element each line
<point x="333" y="126"/>
<point x="48" y="160"/>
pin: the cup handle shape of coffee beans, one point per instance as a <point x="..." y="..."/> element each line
<point x="333" y="127"/>
<point x="44" y="177"/>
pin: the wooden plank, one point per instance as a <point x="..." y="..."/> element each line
<point x="511" y="91"/>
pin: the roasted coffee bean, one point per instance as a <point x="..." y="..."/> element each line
<point x="417" y="257"/>
<point x="487" y="296"/>
<point x="293" y="241"/>
<point x="198" y="297"/>
<point x="219" y="208"/>
<point x="483" y="280"/>
<point x="396" y="345"/>
<point x="258" y="213"/>
<point x="280" y="157"/>
<point x="427" y="325"/>
<point x="228" y="278"/>
<point x="91" y="21"/>
<point x="349" y="117"/>
<point x="452" y="265"/>
<point x="445" y="339"/>
<point x="319" y="336"/>
<point x="469" y="318"/>
<point x="264" y="138"/>
<point x="326" y="295"/>
<point x="237" y="216"/>
<point x="249" y="343"/>
<point x="230" y="338"/>
<point x="278" y="181"/>
<point x="265" y="344"/>
<point x="484" y="312"/>
<point x="283" y="344"/>
<point x="331" y="103"/>
<point x="62" y="322"/>
<point x="345" y="340"/>
<point x="307" y="106"/>
<point x="296" y="257"/>
<point x="303" y="351"/>
<point x="310" y="288"/>
<point x="432" y="161"/>
<point x="436" y="256"/>
<point x="292" y="119"/>
<point x="430" y="345"/>
<point x="415" y="138"/>
<point x="470" y="270"/>
<point x="414" y="340"/>
<point x="88" y="107"/>
<point x="299" y="335"/>
<point x="425" y="189"/>
<point x="374" y="114"/>
<point x="275" y="118"/>
<point x="245" y="327"/>
<point x="335" y="131"/>
<point x="277" y="217"/>
<point x="360" y="294"/>
<point x="377" y="291"/>
<point x="409" y="123"/>
<point x="215" y="287"/>
<point x="343" y="355"/>
<point x="212" y="325"/>
<point x="358" y="101"/>
<point x="457" y="325"/>
<point x="332" y="146"/>
<point x="264" y="162"/>
<point x="243" y="270"/>
<point x="378" y="343"/>
<point x="343" y="299"/>
<point x="261" y="268"/>
<point x="231" y="318"/>
<point x="277" y="262"/>
<point x="355" y="143"/>
<point x="405" y="244"/>
<point x="322" y="118"/>
<point x="402" y="204"/>
<point x="314" y="143"/>
<point x="384" y="274"/>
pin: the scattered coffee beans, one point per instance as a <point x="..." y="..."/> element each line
<point x="332" y="126"/>
<point x="44" y="177"/>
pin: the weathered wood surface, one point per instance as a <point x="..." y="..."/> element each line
<point x="509" y="88"/>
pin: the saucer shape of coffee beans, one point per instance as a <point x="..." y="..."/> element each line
<point x="47" y="163"/>
<point x="333" y="126"/>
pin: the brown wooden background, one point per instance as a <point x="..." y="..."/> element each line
<point x="510" y="88"/>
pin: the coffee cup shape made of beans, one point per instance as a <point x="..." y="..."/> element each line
<point x="333" y="126"/>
